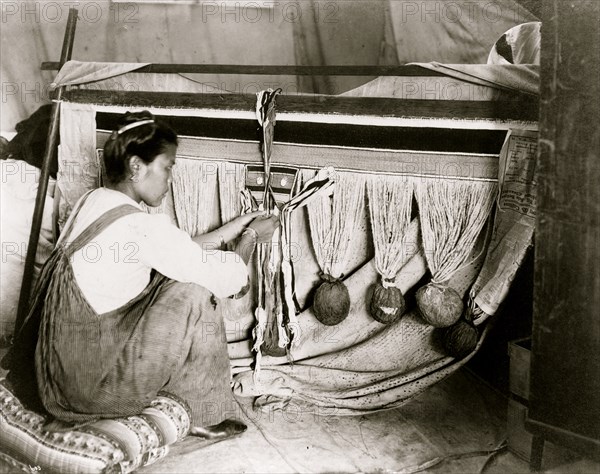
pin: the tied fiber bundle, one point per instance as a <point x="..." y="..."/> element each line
<point x="390" y="206"/>
<point x="333" y="221"/>
<point x="265" y="114"/>
<point x="277" y="281"/>
<point x="194" y="193"/>
<point x="269" y="311"/>
<point x="452" y="214"/>
<point x="460" y="339"/>
<point x="276" y="338"/>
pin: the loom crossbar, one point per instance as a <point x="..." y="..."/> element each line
<point x="331" y="109"/>
<point x="282" y="70"/>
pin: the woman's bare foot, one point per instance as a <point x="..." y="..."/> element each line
<point x="223" y="430"/>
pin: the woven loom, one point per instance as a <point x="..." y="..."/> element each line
<point x="359" y="365"/>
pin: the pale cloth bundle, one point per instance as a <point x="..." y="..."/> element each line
<point x="452" y="214"/>
<point x="194" y="193"/>
<point x="513" y="225"/>
<point x="359" y="365"/>
<point x="333" y="225"/>
<point x="390" y="207"/>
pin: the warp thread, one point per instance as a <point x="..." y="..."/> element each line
<point x="390" y="207"/>
<point x="194" y="194"/>
<point x="335" y="220"/>
<point x="231" y="185"/>
<point x="452" y="214"/>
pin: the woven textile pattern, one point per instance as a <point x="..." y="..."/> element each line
<point x="118" y="445"/>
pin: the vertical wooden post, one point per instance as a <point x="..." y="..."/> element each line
<point x="565" y="367"/>
<point x="40" y="199"/>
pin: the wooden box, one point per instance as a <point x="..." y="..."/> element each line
<point x="519" y="439"/>
<point x="519" y="352"/>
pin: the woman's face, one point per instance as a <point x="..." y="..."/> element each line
<point x="154" y="179"/>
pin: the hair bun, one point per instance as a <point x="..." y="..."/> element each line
<point x="132" y="117"/>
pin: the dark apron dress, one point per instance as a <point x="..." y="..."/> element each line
<point x="170" y="338"/>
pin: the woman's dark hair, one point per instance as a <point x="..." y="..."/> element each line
<point x="146" y="140"/>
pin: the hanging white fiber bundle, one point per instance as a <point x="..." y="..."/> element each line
<point x="232" y="198"/>
<point x="452" y="214"/>
<point x="333" y="225"/>
<point x="194" y="194"/>
<point x="231" y="186"/>
<point x="390" y="207"/>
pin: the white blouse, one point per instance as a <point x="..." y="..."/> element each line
<point x="115" y="266"/>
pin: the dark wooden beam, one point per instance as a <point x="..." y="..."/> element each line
<point x="524" y="109"/>
<point x="40" y="200"/>
<point x="420" y="139"/>
<point x="564" y="402"/>
<point x="282" y="70"/>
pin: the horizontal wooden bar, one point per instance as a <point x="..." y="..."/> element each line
<point x="283" y="70"/>
<point x="448" y="111"/>
<point x="587" y="446"/>
<point x="460" y="166"/>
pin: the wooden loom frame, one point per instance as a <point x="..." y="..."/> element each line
<point x="520" y="108"/>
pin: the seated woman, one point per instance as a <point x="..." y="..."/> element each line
<point x="127" y="305"/>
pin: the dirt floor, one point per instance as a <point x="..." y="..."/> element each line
<point x="450" y="428"/>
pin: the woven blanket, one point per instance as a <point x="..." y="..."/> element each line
<point x="117" y="445"/>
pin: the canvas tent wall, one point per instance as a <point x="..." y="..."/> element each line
<point x="302" y="32"/>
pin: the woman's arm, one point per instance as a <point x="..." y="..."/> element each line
<point x="225" y="234"/>
<point x="260" y="225"/>
<point x="169" y="250"/>
<point x="246" y="245"/>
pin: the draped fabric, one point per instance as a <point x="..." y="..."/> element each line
<point x="77" y="159"/>
<point x="77" y="72"/>
<point x="358" y="365"/>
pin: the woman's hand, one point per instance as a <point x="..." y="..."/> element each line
<point x="261" y="231"/>
<point x="241" y="222"/>
<point x="264" y="227"/>
<point x="228" y="232"/>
